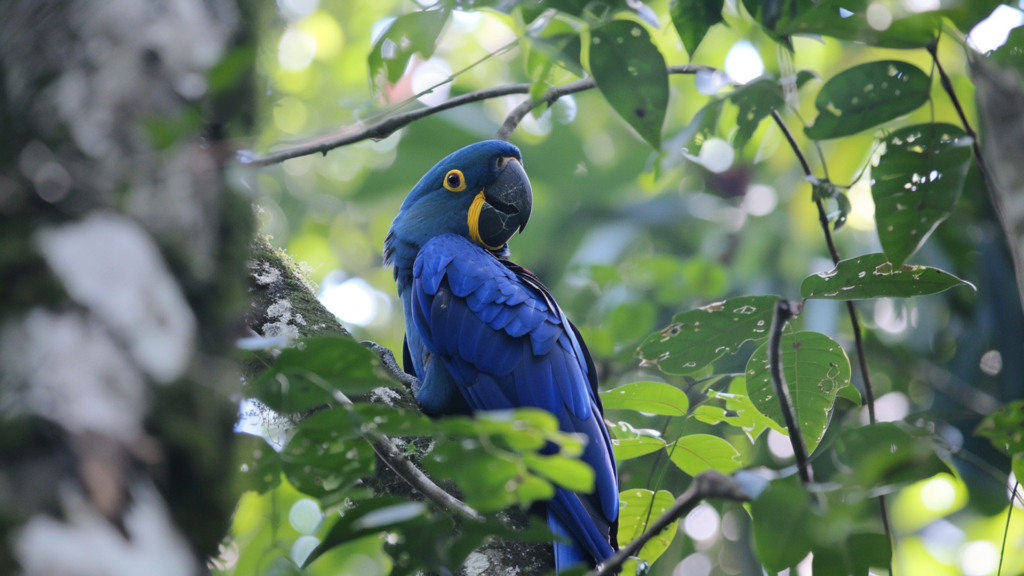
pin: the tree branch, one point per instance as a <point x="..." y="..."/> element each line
<point x="388" y="126"/>
<point x="783" y="313"/>
<point x="709" y="484"/>
<point x="519" y="112"/>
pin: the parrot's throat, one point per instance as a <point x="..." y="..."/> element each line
<point x="473" y="220"/>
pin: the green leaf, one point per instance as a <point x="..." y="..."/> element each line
<point x="575" y="475"/>
<point x="698" y="337"/>
<point x="258" y="466"/>
<point x="308" y="374"/>
<point x="889" y="453"/>
<point x="1017" y="465"/>
<point x="756" y="102"/>
<point x="847" y="20"/>
<point x="747" y="417"/>
<point x="630" y="72"/>
<point x="637" y="510"/>
<point x="1010" y="54"/>
<point x="701" y="127"/>
<point x="862" y="551"/>
<point x="852" y="394"/>
<point x="872" y="276"/>
<point x="780" y="516"/>
<point x="651" y="397"/>
<point x="699" y="452"/>
<point x="636" y="447"/>
<point x="558" y="42"/>
<point x="407" y="35"/>
<point x="916" y="184"/>
<point x="318" y="464"/>
<point x="370" y="517"/>
<point x="1004" y="428"/>
<point x="693" y="18"/>
<point x="867" y="95"/>
<point x="815" y="368"/>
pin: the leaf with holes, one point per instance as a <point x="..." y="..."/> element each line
<point x="815" y="368"/>
<point x="868" y="95"/>
<point x="917" y="184"/>
<point x="696" y="338"/>
<point x="630" y="72"/>
<point x="699" y="452"/>
<point x="629" y="448"/>
<point x="637" y="510"/>
<point x="407" y="35"/>
<point x="693" y="18"/>
<point x="651" y="397"/>
<point x="872" y="276"/>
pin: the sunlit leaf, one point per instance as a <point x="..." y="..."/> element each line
<point x="630" y="72"/>
<point x="916" y="184"/>
<point x="848" y="20"/>
<point x="696" y="453"/>
<point x="780" y="516"/>
<point x="693" y="18"/>
<point x="308" y="374"/>
<point x="575" y="475"/>
<point x="698" y="337"/>
<point x="636" y="447"/>
<point x="867" y="95"/>
<point x="1005" y="428"/>
<point x="416" y="32"/>
<point x="637" y="510"/>
<point x="747" y="417"/>
<point x="871" y="276"/>
<point x="702" y="126"/>
<point x="370" y="517"/>
<point x="651" y="397"/>
<point x="815" y="368"/>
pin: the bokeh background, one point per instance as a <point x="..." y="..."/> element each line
<point x="625" y="237"/>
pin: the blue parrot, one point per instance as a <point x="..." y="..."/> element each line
<point x="482" y="333"/>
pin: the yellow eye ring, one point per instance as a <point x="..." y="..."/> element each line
<point x="454" y="181"/>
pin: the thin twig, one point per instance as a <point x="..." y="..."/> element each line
<point x="783" y="313"/>
<point x="519" y="112"/>
<point x="408" y="471"/>
<point x="388" y="126"/>
<point x="1002" y="551"/>
<point x="709" y="484"/>
<point x="862" y="360"/>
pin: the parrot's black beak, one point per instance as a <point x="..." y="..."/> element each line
<point x="507" y="203"/>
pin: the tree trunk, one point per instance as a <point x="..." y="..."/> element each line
<point x="122" y="257"/>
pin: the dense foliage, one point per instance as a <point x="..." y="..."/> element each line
<point x="672" y="213"/>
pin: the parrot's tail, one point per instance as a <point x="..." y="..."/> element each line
<point x="569" y="519"/>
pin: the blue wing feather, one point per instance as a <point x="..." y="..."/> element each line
<point x="504" y="343"/>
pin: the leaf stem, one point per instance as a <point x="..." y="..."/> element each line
<point x="783" y="313"/>
<point x="869" y="391"/>
<point x="1002" y="551"/>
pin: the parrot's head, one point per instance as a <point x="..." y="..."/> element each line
<point x="480" y="192"/>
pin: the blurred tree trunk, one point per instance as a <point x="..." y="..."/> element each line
<point x="122" y="281"/>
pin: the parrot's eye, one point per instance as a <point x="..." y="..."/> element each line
<point x="455" y="181"/>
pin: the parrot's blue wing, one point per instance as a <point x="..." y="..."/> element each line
<point x="505" y="343"/>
